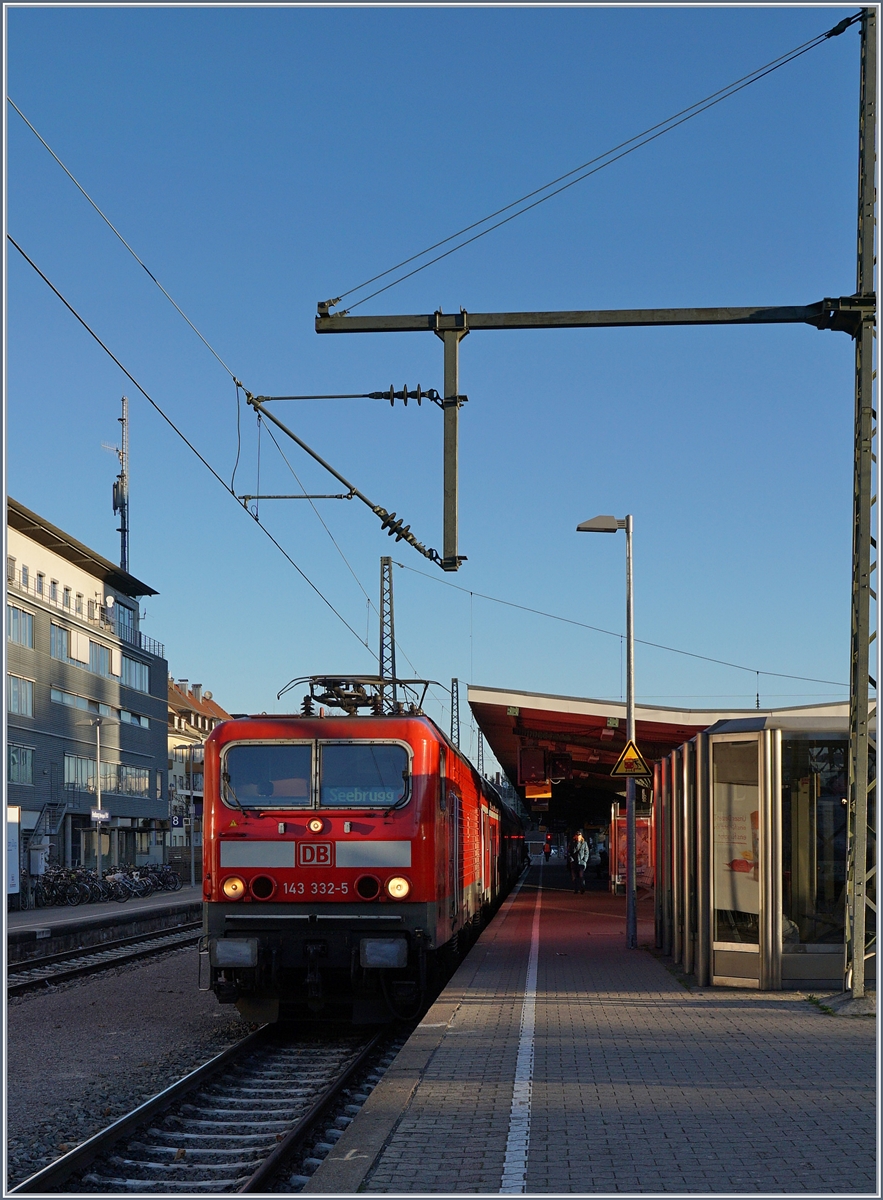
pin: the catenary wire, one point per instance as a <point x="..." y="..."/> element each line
<point x="110" y="224"/>
<point x="610" y="633"/>
<point x="185" y="439"/>
<point x="640" y="139"/>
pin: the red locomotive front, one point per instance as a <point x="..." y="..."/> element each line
<point x="341" y="854"/>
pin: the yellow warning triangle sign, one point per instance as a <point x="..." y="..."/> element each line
<point x="631" y="762"/>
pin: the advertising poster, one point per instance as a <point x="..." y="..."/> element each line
<point x="13" y="821"/>
<point x="736" y="885"/>
<point x="643" y="851"/>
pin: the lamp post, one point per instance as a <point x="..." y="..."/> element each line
<point x="191" y="809"/>
<point x="97" y="815"/>
<point x="606" y="524"/>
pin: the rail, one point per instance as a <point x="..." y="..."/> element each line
<point x="262" y="1113"/>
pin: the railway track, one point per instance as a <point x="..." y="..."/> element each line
<point x="55" y="968"/>
<point x="234" y="1124"/>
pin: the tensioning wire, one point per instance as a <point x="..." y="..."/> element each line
<point x="612" y="155"/>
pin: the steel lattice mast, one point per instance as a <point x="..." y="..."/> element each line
<point x="389" y="699"/>
<point x="861" y="879"/>
<point x="455" y="712"/>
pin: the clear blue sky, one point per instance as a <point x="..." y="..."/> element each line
<point x="260" y="160"/>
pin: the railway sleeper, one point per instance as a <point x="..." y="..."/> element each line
<point x="269" y="1109"/>
<point x="179" y="1137"/>
<point x="197" y="1154"/>
<point x="181" y="1169"/>
<point x="191" y="1125"/>
<point x="163" y="1186"/>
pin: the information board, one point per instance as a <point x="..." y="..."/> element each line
<point x="13" y="826"/>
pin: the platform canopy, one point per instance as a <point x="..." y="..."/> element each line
<point x="583" y="738"/>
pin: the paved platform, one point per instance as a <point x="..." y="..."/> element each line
<point x="557" y="1061"/>
<point x="61" y="916"/>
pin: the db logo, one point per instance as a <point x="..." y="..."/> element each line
<point x="314" y="854"/>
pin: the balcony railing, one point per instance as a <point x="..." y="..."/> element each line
<point x="101" y="618"/>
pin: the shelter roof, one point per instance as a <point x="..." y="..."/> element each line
<point x="593" y="732"/>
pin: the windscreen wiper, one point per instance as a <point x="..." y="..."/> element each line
<point x="405" y="798"/>
<point x="228" y="791"/>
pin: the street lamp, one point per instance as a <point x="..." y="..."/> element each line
<point x="191" y="808"/>
<point x="611" y="525"/>
<point x="98" y="815"/>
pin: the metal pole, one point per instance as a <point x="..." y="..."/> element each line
<point x="124" y="486"/>
<point x="631" y="919"/>
<point x="861" y="857"/>
<point x="192" y="826"/>
<point x="98" y="790"/>
<point x="451" y="403"/>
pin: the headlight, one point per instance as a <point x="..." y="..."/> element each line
<point x="233" y="887"/>
<point x="398" y="887"/>
<point x="316" y="825"/>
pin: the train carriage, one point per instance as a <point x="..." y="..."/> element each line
<point x="348" y="859"/>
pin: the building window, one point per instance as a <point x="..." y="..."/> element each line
<point x="74" y="647"/>
<point x="20" y="765"/>
<point x="25" y="577"/>
<point x="20" y="694"/>
<point x="53" y="591"/>
<point x="136" y="674"/>
<point x="10" y="568"/>
<point x="134" y="781"/>
<point x="79" y="773"/>
<point x="59" y="642"/>
<point x="20" y="626"/>
<point x="66" y="597"/>
<point x="99" y="659"/>
<point x="91" y="610"/>
<point x="41" y="579"/>
<point x="130" y="718"/>
<point x="125" y="622"/>
<point x="79" y="604"/>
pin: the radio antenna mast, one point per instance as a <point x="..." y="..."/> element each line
<point x="121" y="485"/>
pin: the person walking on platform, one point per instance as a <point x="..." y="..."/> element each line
<point x="578" y="857"/>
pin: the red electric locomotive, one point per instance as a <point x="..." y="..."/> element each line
<point x="347" y="858"/>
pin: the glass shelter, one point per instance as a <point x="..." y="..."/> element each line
<point x="751" y="853"/>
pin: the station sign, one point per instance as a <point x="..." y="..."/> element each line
<point x="100" y="814"/>
<point x="631" y="763"/>
<point x="13" y="825"/>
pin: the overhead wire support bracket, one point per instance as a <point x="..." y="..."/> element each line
<point x="393" y="525"/>
<point x="846" y="314"/>
<point x="419" y="394"/>
<point x="301" y="496"/>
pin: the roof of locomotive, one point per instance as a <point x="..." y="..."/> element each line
<point x="339" y="722"/>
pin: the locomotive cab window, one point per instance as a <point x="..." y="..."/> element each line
<point x="268" y="775"/>
<point x="363" y="775"/>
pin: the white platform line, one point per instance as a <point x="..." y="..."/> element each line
<point x="518" y="1139"/>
